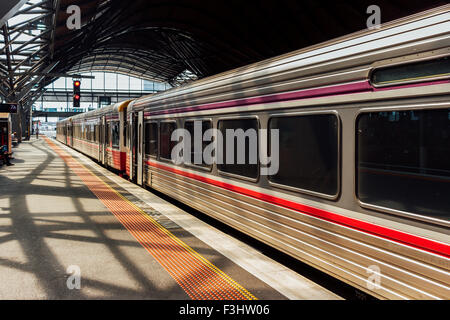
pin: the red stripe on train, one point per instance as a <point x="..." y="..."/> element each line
<point x="118" y="158"/>
<point x="127" y="164"/>
<point x="425" y="244"/>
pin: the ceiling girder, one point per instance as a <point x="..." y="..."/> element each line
<point x="169" y="41"/>
<point x="8" y="9"/>
<point x="26" y="43"/>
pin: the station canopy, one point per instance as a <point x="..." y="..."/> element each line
<point x="169" y="41"/>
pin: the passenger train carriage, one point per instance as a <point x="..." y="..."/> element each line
<point x="363" y="186"/>
<point x="98" y="134"/>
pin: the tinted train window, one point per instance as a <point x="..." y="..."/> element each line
<point x="308" y="152"/>
<point x="125" y="137"/>
<point x="166" y="144"/>
<point x="412" y="72"/>
<point x="250" y="145"/>
<point x="108" y="134"/>
<point x="403" y="161"/>
<point x="115" y="134"/>
<point x="151" y="139"/>
<point x="92" y="132"/>
<point x="189" y="126"/>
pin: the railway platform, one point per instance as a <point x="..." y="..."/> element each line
<point x="71" y="229"/>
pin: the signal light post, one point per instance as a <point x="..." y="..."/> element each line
<point x="76" y="93"/>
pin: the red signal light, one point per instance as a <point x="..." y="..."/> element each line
<point x="76" y="93"/>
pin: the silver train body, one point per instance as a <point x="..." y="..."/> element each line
<point x="358" y="81"/>
<point x="98" y="134"/>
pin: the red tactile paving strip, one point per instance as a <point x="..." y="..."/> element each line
<point x="198" y="277"/>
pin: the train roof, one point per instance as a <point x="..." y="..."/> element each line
<point x="114" y="108"/>
<point x="354" y="55"/>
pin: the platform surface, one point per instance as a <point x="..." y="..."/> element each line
<point x="61" y="213"/>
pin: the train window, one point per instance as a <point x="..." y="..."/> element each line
<point x="250" y="127"/>
<point x="166" y="144"/>
<point x="151" y="139"/>
<point x="115" y="134"/>
<point x="412" y="72"/>
<point x="189" y="125"/>
<point x="140" y="140"/>
<point x="403" y="161"/>
<point x="308" y="152"/>
<point x="92" y="137"/>
<point x="107" y="134"/>
<point x="125" y="138"/>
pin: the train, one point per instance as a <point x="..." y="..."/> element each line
<point x="99" y="134"/>
<point x="6" y="131"/>
<point x="362" y="190"/>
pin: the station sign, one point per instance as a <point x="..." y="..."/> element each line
<point x="104" y="101"/>
<point x="9" y="107"/>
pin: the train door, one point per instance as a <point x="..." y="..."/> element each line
<point x="100" y="141"/>
<point x="140" y="146"/>
<point x="103" y="135"/>
<point x="132" y="146"/>
<point x="71" y="133"/>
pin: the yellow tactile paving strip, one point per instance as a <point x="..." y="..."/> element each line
<point x="198" y="277"/>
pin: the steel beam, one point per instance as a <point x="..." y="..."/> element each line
<point x="8" y="8"/>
